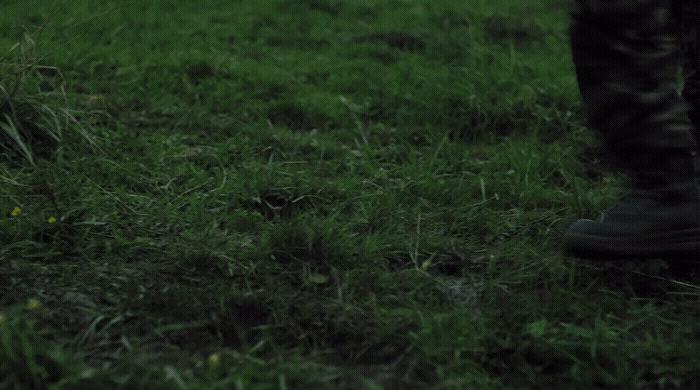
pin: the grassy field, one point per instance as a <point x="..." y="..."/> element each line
<point x="312" y="194"/>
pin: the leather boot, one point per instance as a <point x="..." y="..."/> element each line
<point x="626" y="57"/>
<point x="658" y="216"/>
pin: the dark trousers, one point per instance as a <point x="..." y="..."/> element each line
<point x="627" y="55"/>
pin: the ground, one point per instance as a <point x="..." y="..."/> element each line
<point x="312" y="194"/>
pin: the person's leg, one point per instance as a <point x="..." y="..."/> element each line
<point x="626" y="58"/>
<point x="687" y="18"/>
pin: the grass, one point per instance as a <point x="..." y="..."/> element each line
<point x="280" y="195"/>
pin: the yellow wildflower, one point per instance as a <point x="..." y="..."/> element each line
<point x="214" y="360"/>
<point x="17" y="211"/>
<point x="52" y="219"/>
<point x="425" y="265"/>
<point x="33" y="304"/>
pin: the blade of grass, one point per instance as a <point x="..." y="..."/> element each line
<point x="11" y="130"/>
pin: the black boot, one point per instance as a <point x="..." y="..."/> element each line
<point x="657" y="217"/>
<point x="626" y="56"/>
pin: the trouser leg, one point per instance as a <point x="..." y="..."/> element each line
<point x="687" y="17"/>
<point x="626" y="58"/>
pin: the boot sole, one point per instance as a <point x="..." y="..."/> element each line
<point x="680" y="244"/>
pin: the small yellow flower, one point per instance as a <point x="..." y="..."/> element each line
<point x="33" y="304"/>
<point x="52" y="219"/>
<point x="214" y="360"/>
<point x="425" y="265"/>
<point x="17" y="211"/>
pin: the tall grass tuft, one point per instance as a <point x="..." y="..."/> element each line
<point x="35" y="113"/>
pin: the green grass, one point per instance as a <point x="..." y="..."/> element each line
<point x="263" y="196"/>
